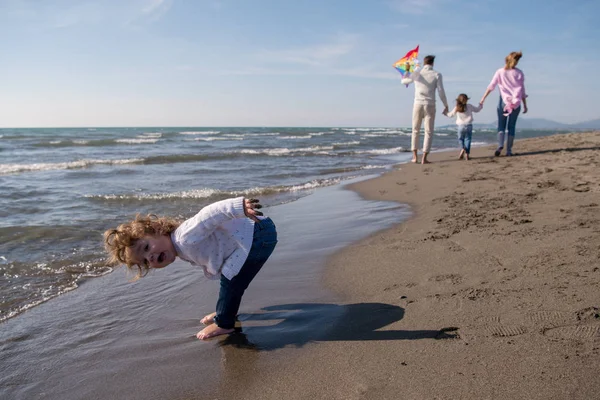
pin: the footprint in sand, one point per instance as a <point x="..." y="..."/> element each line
<point x="580" y="325"/>
<point x="505" y="330"/>
<point x="574" y="332"/>
<point x="581" y="187"/>
<point x="493" y="326"/>
<point x="455" y="279"/>
<point x="550" y="318"/>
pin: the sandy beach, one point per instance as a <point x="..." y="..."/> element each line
<point x="491" y="290"/>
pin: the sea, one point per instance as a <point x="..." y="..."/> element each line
<point x="72" y="327"/>
<point x="60" y="188"/>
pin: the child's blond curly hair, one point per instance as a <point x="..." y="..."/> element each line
<point x="118" y="242"/>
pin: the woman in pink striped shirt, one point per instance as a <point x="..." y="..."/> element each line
<point x="511" y="83"/>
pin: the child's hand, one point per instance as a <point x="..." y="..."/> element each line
<point x="250" y="209"/>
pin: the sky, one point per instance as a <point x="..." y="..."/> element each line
<point x="78" y="63"/>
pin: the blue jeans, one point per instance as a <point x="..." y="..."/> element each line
<point x="231" y="292"/>
<point x="507" y="123"/>
<point x="465" y="132"/>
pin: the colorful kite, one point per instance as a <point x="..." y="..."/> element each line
<point x="411" y="59"/>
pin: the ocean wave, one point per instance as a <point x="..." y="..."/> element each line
<point x="200" y="133"/>
<point x="214" y="138"/>
<point x="187" y="194"/>
<point x="6" y="169"/>
<point x="387" y="133"/>
<point x="216" y="194"/>
<point x="137" y="141"/>
<point x="37" y="283"/>
<point x="352" y="143"/>
<point x="352" y="169"/>
<point x="78" y="143"/>
<point x="393" y="150"/>
<point x="294" y="137"/>
<point x="283" y="151"/>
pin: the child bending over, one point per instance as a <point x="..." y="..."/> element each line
<point x="229" y="239"/>
<point x="464" y="120"/>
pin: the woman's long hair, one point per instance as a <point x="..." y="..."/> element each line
<point x="513" y="59"/>
<point x="461" y="102"/>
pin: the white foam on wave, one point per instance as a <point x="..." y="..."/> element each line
<point x="352" y="143"/>
<point x="374" y="166"/>
<point x="284" y="150"/>
<point x="199" y="132"/>
<point x="18" y="168"/>
<point x="213" y="138"/>
<point x="81" y="141"/>
<point x="187" y="194"/>
<point x="150" y="135"/>
<point x="393" y="150"/>
<point x="136" y="141"/>
<point x="387" y="132"/>
<point x="294" y="137"/>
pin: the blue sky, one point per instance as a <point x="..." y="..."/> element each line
<point x="283" y="63"/>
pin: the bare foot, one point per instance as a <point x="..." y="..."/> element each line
<point x="466" y="156"/>
<point x="425" y="161"/>
<point x="462" y="154"/>
<point x="208" y="319"/>
<point x="414" y="160"/>
<point x="212" y="331"/>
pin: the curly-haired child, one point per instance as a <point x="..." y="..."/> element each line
<point x="230" y="239"/>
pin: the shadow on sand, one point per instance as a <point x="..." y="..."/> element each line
<point x="299" y="324"/>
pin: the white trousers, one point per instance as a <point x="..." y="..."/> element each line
<point x="422" y="112"/>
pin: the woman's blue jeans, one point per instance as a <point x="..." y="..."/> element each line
<point x="465" y="132"/>
<point x="231" y="292"/>
<point x="507" y="123"/>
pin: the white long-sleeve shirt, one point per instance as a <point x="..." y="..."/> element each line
<point x="218" y="238"/>
<point x="427" y="80"/>
<point x="466" y="117"/>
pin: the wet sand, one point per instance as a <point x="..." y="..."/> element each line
<point x="491" y="291"/>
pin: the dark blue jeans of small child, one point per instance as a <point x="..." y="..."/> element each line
<point x="231" y="292"/>
<point x="465" y="132"/>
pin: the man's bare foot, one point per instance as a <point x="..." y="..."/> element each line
<point x="212" y="331"/>
<point x="425" y="161"/>
<point x="208" y="319"/>
<point x="462" y="154"/>
<point x="414" y="157"/>
<point x="467" y="156"/>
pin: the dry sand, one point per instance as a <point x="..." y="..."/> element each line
<point x="491" y="291"/>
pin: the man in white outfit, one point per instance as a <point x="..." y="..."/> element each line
<point x="426" y="80"/>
